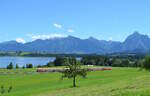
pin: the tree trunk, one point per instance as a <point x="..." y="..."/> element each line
<point x="74" y="81"/>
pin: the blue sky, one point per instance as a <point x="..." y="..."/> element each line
<point x="103" y="19"/>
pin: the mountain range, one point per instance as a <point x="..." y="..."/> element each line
<point x="135" y="43"/>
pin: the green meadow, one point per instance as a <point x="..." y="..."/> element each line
<point x="115" y="82"/>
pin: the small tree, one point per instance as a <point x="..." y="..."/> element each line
<point x="29" y="66"/>
<point x="23" y="67"/>
<point x="17" y="67"/>
<point x="146" y="63"/>
<point x="10" y="66"/>
<point x="73" y="70"/>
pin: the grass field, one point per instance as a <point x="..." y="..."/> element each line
<point x="117" y="82"/>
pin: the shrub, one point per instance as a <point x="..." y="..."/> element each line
<point x="9" y="89"/>
<point x="50" y="64"/>
<point x="2" y="89"/>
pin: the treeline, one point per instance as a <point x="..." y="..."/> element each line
<point x="114" y="61"/>
<point x="59" y="61"/>
<point x="129" y="61"/>
<point x="42" y="54"/>
<point x="11" y="66"/>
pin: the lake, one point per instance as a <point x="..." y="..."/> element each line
<point x="22" y="61"/>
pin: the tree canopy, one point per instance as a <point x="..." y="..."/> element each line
<point x="73" y="70"/>
<point x="146" y="63"/>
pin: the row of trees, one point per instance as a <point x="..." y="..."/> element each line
<point x="92" y="60"/>
<point x="59" y="61"/>
<point x="131" y="61"/>
<point x="101" y="61"/>
<point x="11" y="66"/>
<point x="111" y="61"/>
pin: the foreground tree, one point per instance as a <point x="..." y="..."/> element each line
<point x="73" y="70"/>
<point x="146" y="63"/>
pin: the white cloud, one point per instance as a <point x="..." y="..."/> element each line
<point x="70" y="30"/>
<point x="110" y="38"/>
<point x="43" y="37"/>
<point x="20" y="40"/>
<point x="57" y="25"/>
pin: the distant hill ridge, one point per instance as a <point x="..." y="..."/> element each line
<point x="136" y="43"/>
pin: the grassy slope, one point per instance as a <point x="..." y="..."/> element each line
<point x="118" y="82"/>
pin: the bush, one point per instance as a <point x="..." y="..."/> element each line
<point x="50" y="64"/>
<point x="2" y="89"/>
<point x="9" y="89"/>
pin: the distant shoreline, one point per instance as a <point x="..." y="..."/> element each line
<point x="33" y="54"/>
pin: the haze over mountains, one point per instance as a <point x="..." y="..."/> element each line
<point x="135" y="43"/>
